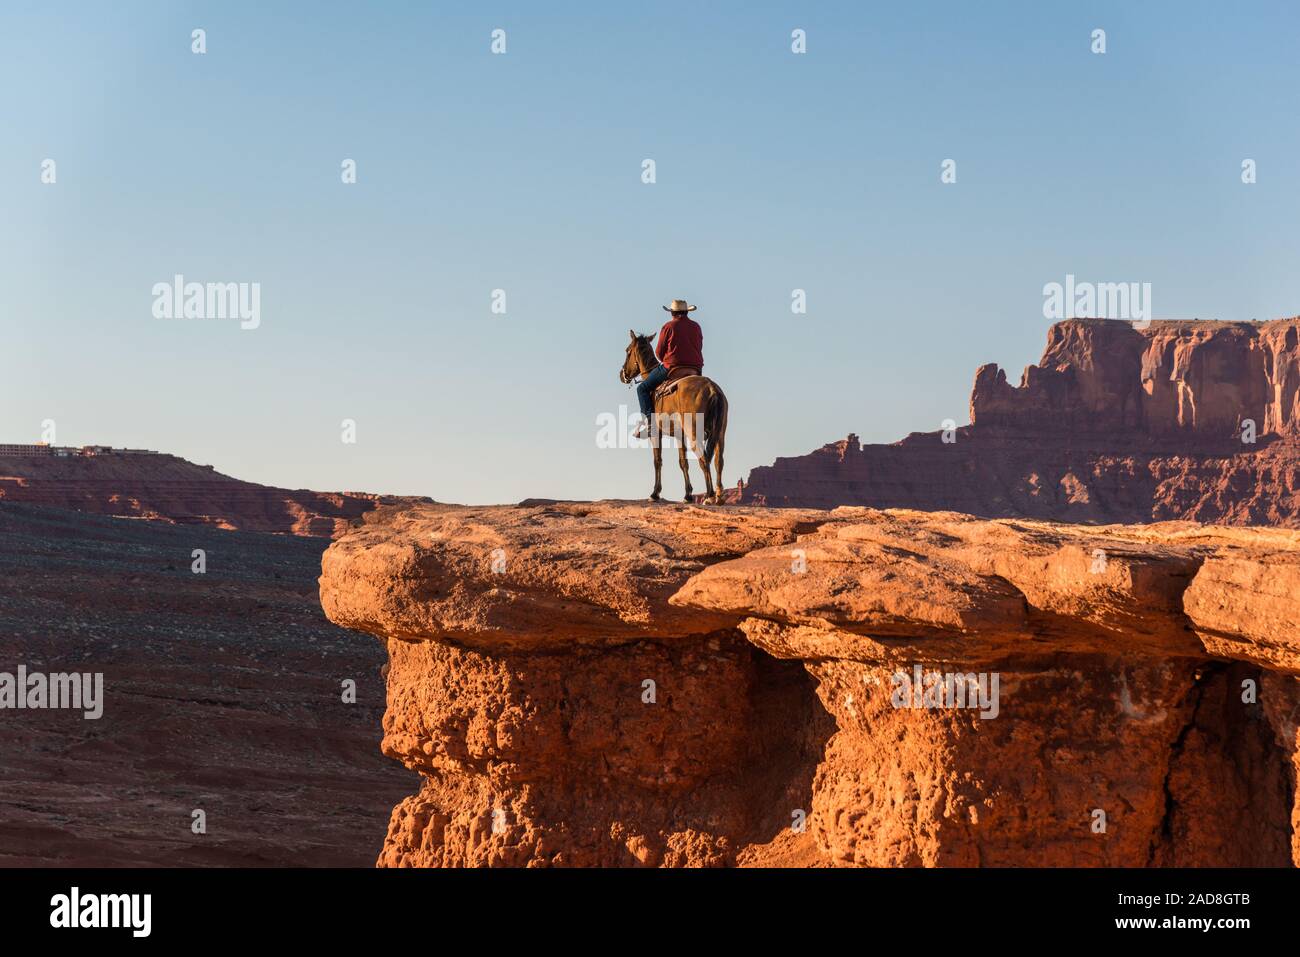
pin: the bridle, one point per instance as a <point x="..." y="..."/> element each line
<point x="642" y="346"/>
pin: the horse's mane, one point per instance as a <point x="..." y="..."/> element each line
<point x="643" y="345"/>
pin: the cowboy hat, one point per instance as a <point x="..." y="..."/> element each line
<point x="679" y="305"/>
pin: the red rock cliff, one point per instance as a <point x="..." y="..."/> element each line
<point x="616" y="684"/>
<point x="168" y="488"/>
<point x="1197" y="420"/>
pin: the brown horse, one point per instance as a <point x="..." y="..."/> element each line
<point x="696" y="405"/>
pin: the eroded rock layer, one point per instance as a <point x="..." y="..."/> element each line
<point x="618" y="684"/>
<point x="170" y="489"/>
<point x="1177" y="420"/>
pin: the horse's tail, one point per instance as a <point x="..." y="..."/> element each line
<point x="715" y="424"/>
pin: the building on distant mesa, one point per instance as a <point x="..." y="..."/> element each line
<point x="12" y="450"/>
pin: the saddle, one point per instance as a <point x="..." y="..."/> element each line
<point x="675" y="374"/>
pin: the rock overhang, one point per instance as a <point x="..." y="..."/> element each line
<point x="551" y="575"/>
<point x="613" y="654"/>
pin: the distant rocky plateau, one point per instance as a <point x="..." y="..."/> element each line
<point x="153" y="485"/>
<point x="1178" y="420"/>
<point x="604" y="684"/>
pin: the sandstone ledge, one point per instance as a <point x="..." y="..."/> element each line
<point x="627" y="684"/>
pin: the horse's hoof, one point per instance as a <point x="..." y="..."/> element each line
<point x="654" y="496"/>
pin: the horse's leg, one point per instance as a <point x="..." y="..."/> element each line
<point x="656" y="443"/>
<point x="686" y="467"/>
<point x="696" y="419"/>
<point x="717" y="464"/>
<point x="717" y="440"/>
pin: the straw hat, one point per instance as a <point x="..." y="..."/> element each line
<point x="679" y="305"/>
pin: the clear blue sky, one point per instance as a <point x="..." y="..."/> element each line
<point x="775" y="171"/>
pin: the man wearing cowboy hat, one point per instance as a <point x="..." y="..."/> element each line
<point x="681" y="352"/>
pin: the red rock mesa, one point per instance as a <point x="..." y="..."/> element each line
<point x="1180" y="420"/>
<point x="140" y="484"/>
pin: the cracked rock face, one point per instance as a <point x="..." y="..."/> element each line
<point x="614" y="684"/>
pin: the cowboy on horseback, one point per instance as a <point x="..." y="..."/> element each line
<point x="680" y="353"/>
<point x="677" y="399"/>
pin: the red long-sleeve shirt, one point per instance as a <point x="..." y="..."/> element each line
<point x="681" y="343"/>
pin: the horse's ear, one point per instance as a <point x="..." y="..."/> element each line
<point x="631" y="333"/>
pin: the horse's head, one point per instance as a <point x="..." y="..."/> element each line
<point x="635" y="359"/>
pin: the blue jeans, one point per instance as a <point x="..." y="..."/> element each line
<point x="645" y="390"/>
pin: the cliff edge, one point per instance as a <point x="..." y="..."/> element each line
<point x="620" y="684"/>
